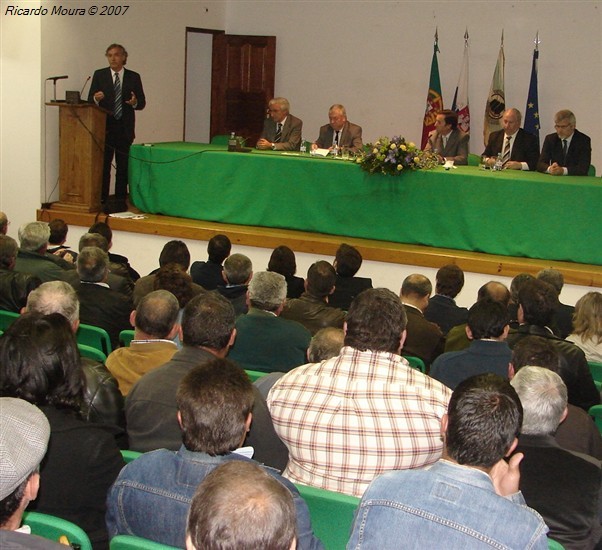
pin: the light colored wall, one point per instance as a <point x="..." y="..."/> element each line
<point x="372" y="56"/>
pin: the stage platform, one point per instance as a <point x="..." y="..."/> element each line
<point x="321" y="244"/>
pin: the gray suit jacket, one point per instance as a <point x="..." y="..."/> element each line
<point x="291" y="133"/>
<point x="350" y="136"/>
<point x="456" y="148"/>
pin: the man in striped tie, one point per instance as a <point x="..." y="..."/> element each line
<point x="281" y="130"/>
<point x="119" y="91"/>
<point x="520" y="149"/>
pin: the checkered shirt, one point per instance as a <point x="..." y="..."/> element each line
<point x="350" y="418"/>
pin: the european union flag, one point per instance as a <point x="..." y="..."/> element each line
<point x="532" y="111"/>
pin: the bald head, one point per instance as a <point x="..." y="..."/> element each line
<point x="416" y="290"/>
<point x="494" y="291"/>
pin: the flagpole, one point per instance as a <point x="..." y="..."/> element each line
<point x="434" y="99"/>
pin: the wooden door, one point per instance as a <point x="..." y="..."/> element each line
<point x="242" y="83"/>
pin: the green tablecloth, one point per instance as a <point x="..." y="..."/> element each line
<point x="508" y="213"/>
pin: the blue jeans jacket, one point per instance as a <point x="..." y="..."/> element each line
<point x="152" y="496"/>
<point x="446" y="506"/>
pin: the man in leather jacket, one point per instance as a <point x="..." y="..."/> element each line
<point x="14" y="286"/>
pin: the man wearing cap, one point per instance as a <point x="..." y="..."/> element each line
<point x="24" y="434"/>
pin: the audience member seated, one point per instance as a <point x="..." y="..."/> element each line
<point x="537" y="302"/>
<point x="214" y="403"/>
<point x="563" y="486"/>
<point x="58" y="238"/>
<point x="118" y="278"/>
<point x="238" y="506"/>
<point x="3" y="223"/>
<point x="156" y="324"/>
<point x="264" y="341"/>
<point x="347" y="286"/>
<point x="456" y="339"/>
<point x="32" y="256"/>
<point x="102" y="400"/>
<point x="468" y="499"/>
<point x="105" y="230"/>
<point x="515" y="285"/>
<point x="100" y="306"/>
<point x="24" y="434"/>
<point x="174" y="252"/>
<point x="563" y="319"/>
<point x="237" y="273"/>
<point x="40" y="364"/>
<point x="283" y="261"/>
<point x="350" y="418"/>
<point x="577" y="432"/>
<point x="587" y="331"/>
<point x="312" y="309"/>
<point x="208" y="331"/>
<point x="442" y="309"/>
<point x="488" y="352"/>
<point x="424" y="339"/>
<point x="14" y="286"/>
<point x="209" y="274"/>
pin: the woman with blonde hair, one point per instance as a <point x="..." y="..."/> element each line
<point x="587" y="326"/>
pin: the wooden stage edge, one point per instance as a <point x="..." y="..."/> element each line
<point x="321" y="244"/>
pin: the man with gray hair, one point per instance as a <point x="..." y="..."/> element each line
<point x="33" y="258"/>
<point x="325" y="344"/>
<point x="102" y="400"/>
<point x="100" y="306"/>
<point x="238" y="271"/>
<point x="567" y="151"/>
<point x="266" y="342"/>
<point x="339" y="132"/>
<point x="14" y="286"/>
<point x="563" y="486"/>
<point x="281" y="130"/>
<point x="24" y="435"/>
<point x="156" y="324"/>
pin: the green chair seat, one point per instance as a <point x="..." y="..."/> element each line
<point x="52" y="528"/>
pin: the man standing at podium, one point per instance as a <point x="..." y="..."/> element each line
<point x="119" y="91"/>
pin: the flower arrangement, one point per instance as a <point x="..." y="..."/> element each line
<point x="391" y="156"/>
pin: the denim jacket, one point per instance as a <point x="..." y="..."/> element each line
<point x="152" y="496"/>
<point x="446" y="506"/>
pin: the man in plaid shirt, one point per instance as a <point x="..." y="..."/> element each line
<point x="352" y="417"/>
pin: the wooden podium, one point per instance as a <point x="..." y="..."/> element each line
<point x="81" y="141"/>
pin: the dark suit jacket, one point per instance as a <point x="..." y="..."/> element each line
<point x="105" y="308"/>
<point x="456" y="148"/>
<point x="116" y="282"/>
<point x="291" y="133"/>
<point x="578" y="157"/>
<point x="444" y="312"/>
<point x="564" y="488"/>
<point x="525" y="148"/>
<point x="102" y="81"/>
<point x="424" y="339"/>
<point x="574" y="369"/>
<point x="346" y="289"/>
<point x="350" y="136"/>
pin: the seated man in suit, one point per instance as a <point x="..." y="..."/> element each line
<point x="281" y="131"/>
<point x="566" y="152"/>
<point x="442" y="309"/>
<point x="447" y="140"/>
<point x="238" y="272"/>
<point x="14" y="286"/>
<point x="209" y="274"/>
<point x="339" y="132"/>
<point x="347" y="263"/>
<point x="519" y="149"/>
<point x="563" y="486"/>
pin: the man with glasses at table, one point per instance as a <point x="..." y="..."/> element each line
<point x="566" y="152"/>
<point x="281" y="130"/>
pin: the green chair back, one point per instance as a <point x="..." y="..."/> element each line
<point x="129" y="542"/>
<point x="416" y="363"/>
<point x="91" y="353"/>
<point x="7" y="318"/>
<point x="473" y="160"/>
<point x="553" y="545"/>
<point x="255" y="374"/>
<point x="95" y="337"/>
<point x="331" y="515"/>
<point x="220" y="139"/>
<point x="592" y="170"/>
<point x="126" y="337"/>
<point x="52" y="528"/>
<point x="596" y="413"/>
<point x="596" y="370"/>
<point x="128" y="455"/>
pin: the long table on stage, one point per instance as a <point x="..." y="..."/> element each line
<point x="507" y="213"/>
